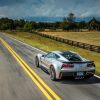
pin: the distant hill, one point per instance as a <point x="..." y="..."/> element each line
<point x="44" y="19"/>
<point x="86" y="19"/>
<point x="56" y="19"/>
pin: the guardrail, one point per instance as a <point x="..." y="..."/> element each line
<point x="72" y="43"/>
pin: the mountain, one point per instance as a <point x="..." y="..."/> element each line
<point x="56" y="19"/>
<point x="86" y="19"/>
<point x="44" y="19"/>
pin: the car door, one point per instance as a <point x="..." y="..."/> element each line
<point x="45" y="60"/>
<point x="48" y="59"/>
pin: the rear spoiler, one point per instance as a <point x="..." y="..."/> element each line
<point x="71" y="62"/>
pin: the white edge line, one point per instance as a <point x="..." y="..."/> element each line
<point x="97" y="76"/>
<point x="38" y="49"/>
<point x="25" y="43"/>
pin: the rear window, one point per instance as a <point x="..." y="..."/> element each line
<point x="71" y="56"/>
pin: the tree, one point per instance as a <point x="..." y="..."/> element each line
<point x="19" y="24"/>
<point x="6" y="23"/>
<point x="93" y="24"/>
<point x="82" y="25"/>
<point x="71" y="18"/>
<point x="69" y="22"/>
<point x="28" y="26"/>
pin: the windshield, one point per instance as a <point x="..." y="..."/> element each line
<point x="71" y="56"/>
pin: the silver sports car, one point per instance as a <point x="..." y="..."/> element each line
<point x="65" y="63"/>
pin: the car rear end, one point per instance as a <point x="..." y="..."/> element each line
<point x="83" y="69"/>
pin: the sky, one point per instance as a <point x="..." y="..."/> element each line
<point x="49" y="8"/>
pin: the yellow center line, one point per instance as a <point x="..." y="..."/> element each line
<point x="29" y="71"/>
<point x="36" y="82"/>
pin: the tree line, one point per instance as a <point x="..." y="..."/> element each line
<point x="68" y="24"/>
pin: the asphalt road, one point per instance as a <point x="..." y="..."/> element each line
<point x="15" y="84"/>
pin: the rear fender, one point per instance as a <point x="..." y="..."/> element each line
<point x="57" y="68"/>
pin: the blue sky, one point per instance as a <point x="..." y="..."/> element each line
<point x="49" y="8"/>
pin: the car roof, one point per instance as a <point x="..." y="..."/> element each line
<point x="60" y="52"/>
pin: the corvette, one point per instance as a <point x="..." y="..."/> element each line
<point x="66" y="63"/>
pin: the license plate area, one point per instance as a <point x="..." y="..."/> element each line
<point x="79" y="73"/>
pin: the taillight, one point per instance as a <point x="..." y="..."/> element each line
<point x="91" y="65"/>
<point x="67" y="66"/>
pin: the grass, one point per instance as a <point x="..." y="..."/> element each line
<point x="92" y="37"/>
<point x="49" y="45"/>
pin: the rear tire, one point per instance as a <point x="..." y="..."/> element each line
<point x="52" y="73"/>
<point x="37" y="62"/>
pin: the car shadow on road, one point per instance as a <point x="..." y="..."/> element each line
<point x="44" y="69"/>
<point x="92" y="80"/>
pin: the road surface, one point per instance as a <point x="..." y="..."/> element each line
<point x="15" y="83"/>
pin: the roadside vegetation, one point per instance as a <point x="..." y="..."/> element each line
<point x="68" y="23"/>
<point x="49" y="45"/>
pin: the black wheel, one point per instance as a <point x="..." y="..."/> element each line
<point x="52" y="73"/>
<point x="37" y="61"/>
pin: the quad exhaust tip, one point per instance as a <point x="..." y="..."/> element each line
<point x="79" y="77"/>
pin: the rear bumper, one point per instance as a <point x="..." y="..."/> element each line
<point x="74" y="74"/>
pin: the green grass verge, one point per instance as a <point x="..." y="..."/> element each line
<point x="49" y="45"/>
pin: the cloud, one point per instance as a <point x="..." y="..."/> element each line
<point x="10" y="2"/>
<point x="49" y="8"/>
